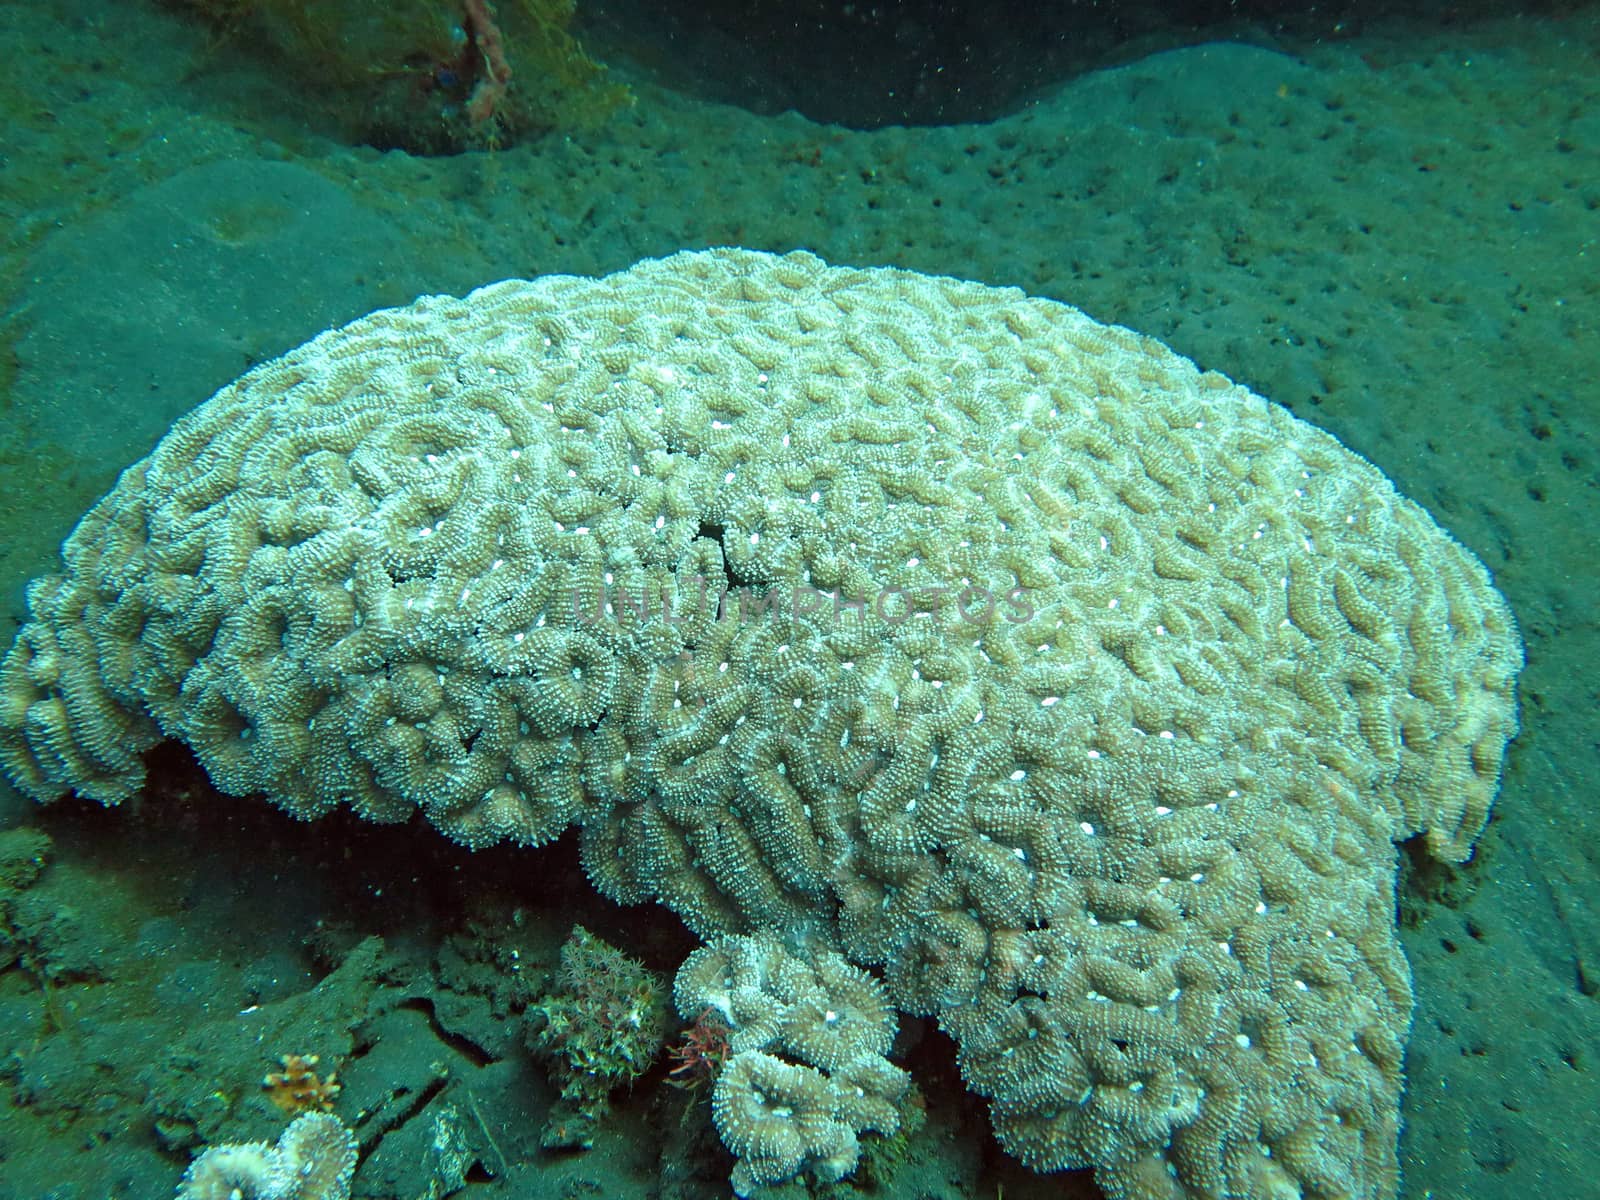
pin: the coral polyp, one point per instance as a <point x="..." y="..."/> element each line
<point x="601" y="1024"/>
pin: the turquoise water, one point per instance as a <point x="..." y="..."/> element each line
<point x="1389" y="227"/>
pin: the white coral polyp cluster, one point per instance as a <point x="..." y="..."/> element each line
<point x="1080" y="694"/>
<point x="808" y="1072"/>
<point x="314" y="1159"/>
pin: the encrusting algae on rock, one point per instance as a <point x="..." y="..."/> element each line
<point x="1076" y="695"/>
<point x="428" y="76"/>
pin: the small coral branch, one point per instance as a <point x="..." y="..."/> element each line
<point x="490" y="89"/>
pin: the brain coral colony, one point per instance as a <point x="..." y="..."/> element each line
<point x="1057" y="690"/>
<point x="428" y="76"/>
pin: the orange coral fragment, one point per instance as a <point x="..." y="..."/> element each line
<point x="297" y="1089"/>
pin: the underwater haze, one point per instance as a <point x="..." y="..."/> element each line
<point x="1383" y="218"/>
